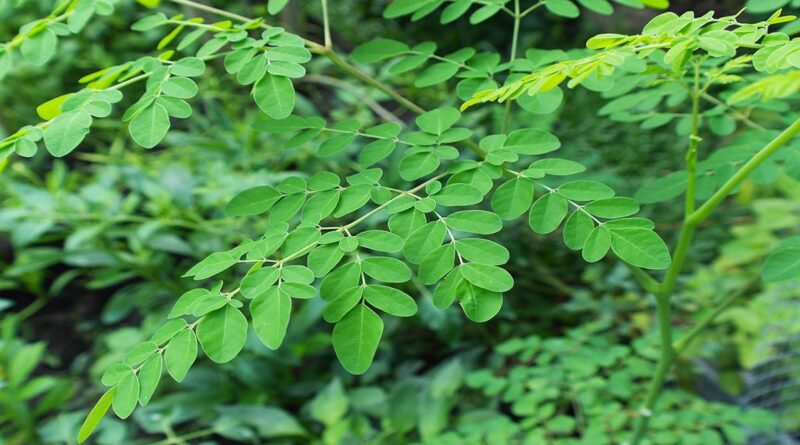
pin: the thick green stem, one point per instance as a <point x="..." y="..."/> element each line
<point x="664" y="291"/>
<point x="664" y="365"/>
<point x="663" y="313"/>
<point x="694" y="141"/>
<point x="768" y="150"/>
<point x="679" y="257"/>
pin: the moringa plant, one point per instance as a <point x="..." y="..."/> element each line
<point x="356" y="240"/>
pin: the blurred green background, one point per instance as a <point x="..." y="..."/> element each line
<point x="92" y="247"/>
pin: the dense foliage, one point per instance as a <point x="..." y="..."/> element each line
<point x="347" y="205"/>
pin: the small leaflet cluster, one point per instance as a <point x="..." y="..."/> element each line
<point x="37" y="41"/>
<point x="482" y="10"/>
<point x="668" y="39"/>
<point x="267" y="64"/>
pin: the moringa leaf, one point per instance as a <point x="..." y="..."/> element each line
<point x="356" y="338"/>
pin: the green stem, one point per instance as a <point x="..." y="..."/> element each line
<point x="664" y="365"/>
<point x="680" y="346"/>
<point x="679" y="258"/>
<point x="768" y="150"/>
<point x="694" y="141"/>
<point x="185" y="437"/>
<point x="532" y="8"/>
<point x="667" y="287"/>
<point x="19" y="38"/>
<point x="322" y="50"/>
<point x="512" y="57"/>
<point x="32" y="308"/>
<point x="647" y="282"/>
<point x="369" y="80"/>
<point x="326" y="25"/>
<point x="515" y="33"/>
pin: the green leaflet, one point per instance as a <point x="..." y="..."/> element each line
<point x="485" y="276"/>
<point x="577" y="228"/>
<point x="617" y="207"/>
<point x="482" y="251"/>
<point x="437" y="264"/>
<point x="66" y="131"/>
<point x="558" y="167"/>
<point x="531" y="142"/>
<point x="479" y="305"/>
<point x="39" y="48"/>
<point x="96" y="415"/>
<point x="179" y="87"/>
<point x="5" y="63"/>
<point x="222" y="334"/>
<point x="352" y="199"/>
<point x="276" y="6"/>
<point x="150" y="125"/>
<point x="445" y="292"/>
<point x="256" y="283"/>
<point x="376" y="151"/>
<point x="380" y="241"/>
<point x="115" y="373"/>
<point x="640" y="247"/>
<point x="438" y="121"/>
<point x="435" y="74"/>
<point x="140" y="353"/>
<point x="211" y="265"/>
<point x="563" y="8"/>
<point x="149" y="376"/>
<point x="186" y="302"/>
<point x="209" y="303"/>
<point x="189" y="67"/>
<point x="274" y="95"/>
<point x="386" y="269"/>
<point x="547" y="213"/>
<point x="378" y="49"/>
<point x="596" y="245"/>
<point x="342" y="303"/>
<point x="271" y="311"/>
<point x="513" y="198"/>
<point x="252" y="201"/>
<point x="423" y="240"/>
<point x="418" y="165"/>
<point x="475" y="221"/>
<point x="458" y="195"/>
<point x="390" y="300"/>
<point x="324" y="258"/>
<point x="782" y="265"/>
<point x="585" y="190"/>
<point x="543" y="103"/>
<point x="344" y="277"/>
<point x="126" y="396"/>
<point x="784" y="262"/>
<point x="168" y="330"/>
<point x="662" y="189"/>
<point x="356" y="338"/>
<point x="330" y="405"/>
<point x="404" y="223"/>
<point x="180" y="354"/>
